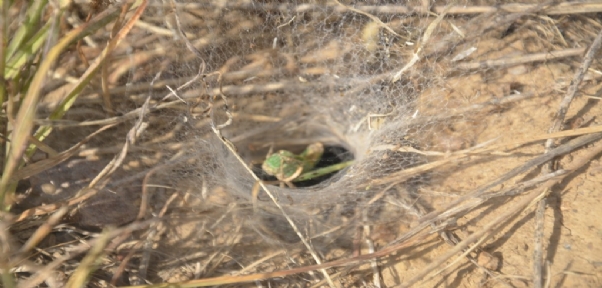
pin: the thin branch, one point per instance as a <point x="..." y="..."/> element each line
<point x="529" y="58"/>
<point x="560" y="9"/>
<point x="556" y="126"/>
<point x="217" y="130"/>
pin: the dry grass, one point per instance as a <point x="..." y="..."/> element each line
<point x="117" y="123"/>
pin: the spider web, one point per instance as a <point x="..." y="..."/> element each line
<point x="380" y="79"/>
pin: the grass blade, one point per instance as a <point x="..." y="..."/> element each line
<point x="25" y="116"/>
<point x="95" y="23"/>
<point x="87" y="266"/>
<point x="28" y="27"/>
<point x="27" y="52"/>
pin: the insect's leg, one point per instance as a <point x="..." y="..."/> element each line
<point x="295" y="175"/>
<point x="270" y="151"/>
<point x="289" y="184"/>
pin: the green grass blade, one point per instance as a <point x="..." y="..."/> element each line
<point x="323" y="171"/>
<point x="27" y="28"/>
<point x="7" y="279"/>
<point x="4" y="7"/>
<point x="26" y="52"/>
<point x="25" y="116"/>
<point x="66" y="104"/>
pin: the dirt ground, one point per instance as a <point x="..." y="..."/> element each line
<point x="571" y="226"/>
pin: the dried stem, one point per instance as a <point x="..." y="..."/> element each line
<point x="556" y="126"/>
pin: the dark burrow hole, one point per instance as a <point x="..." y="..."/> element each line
<point x="332" y="155"/>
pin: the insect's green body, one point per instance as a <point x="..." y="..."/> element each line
<point x="286" y="166"/>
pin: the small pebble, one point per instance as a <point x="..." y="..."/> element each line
<point x="488" y="261"/>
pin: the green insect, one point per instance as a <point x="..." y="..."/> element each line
<point x="288" y="167"/>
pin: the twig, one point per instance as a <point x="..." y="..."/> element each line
<point x="449" y="238"/>
<point x="42" y="165"/>
<point x="43" y="273"/>
<point x="370" y="244"/>
<point x="374" y="18"/>
<point x="154" y="229"/>
<point x="560" y="9"/>
<point x="420" y="237"/>
<point x="572" y="91"/>
<point x="130" y="140"/>
<point x="524" y="204"/>
<point x="425" y="38"/>
<point x="381" y="253"/>
<point x="232" y="148"/>
<point x="556" y="126"/>
<point x="516" y="208"/>
<point x="577" y="163"/>
<point x="40" y="233"/>
<point x="510" y="61"/>
<point x="454" y="207"/>
<point x="217" y="130"/>
<point x="145" y="195"/>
